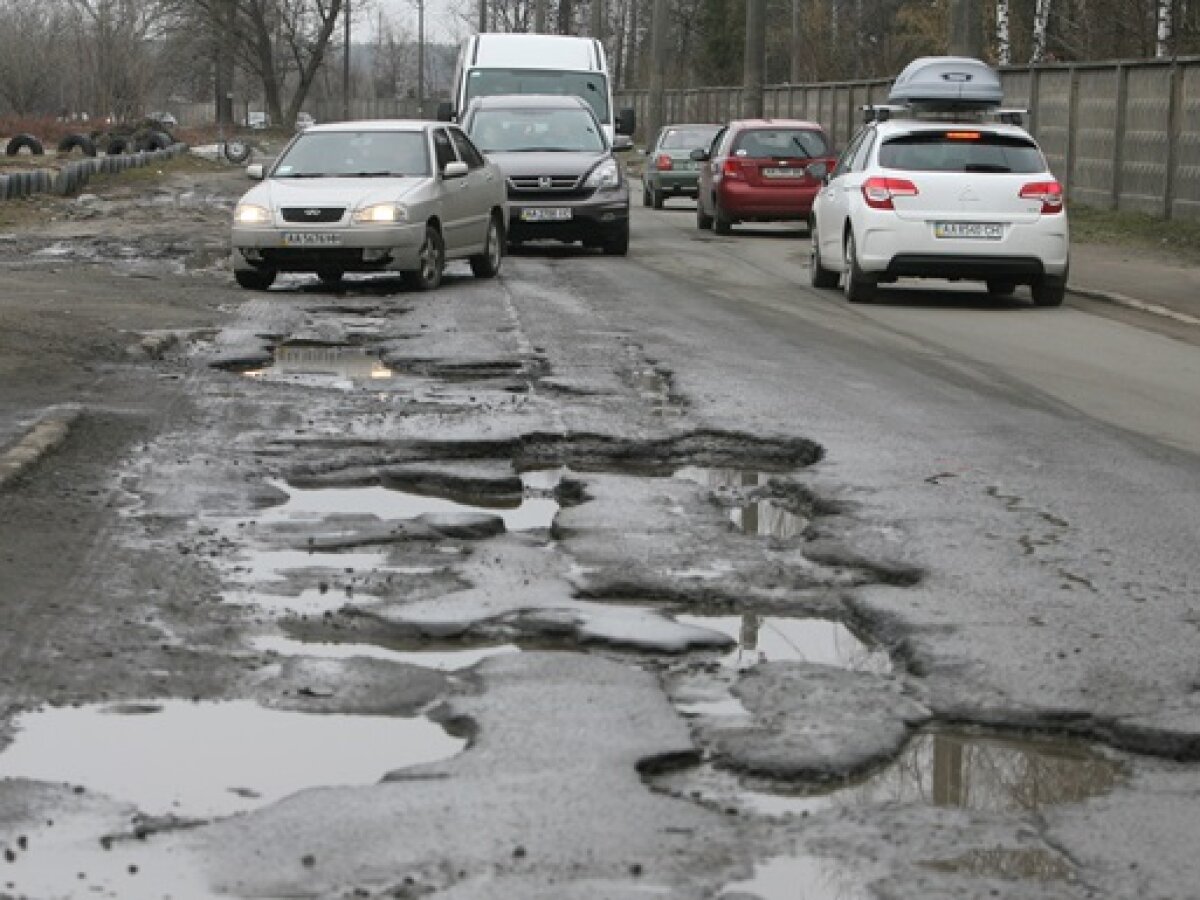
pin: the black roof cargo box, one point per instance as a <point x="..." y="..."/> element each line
<point x="953" y="82"/>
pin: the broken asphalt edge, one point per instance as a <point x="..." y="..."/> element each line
<point x="1132" y="303"/>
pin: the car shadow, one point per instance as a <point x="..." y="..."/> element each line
<point x="925" y="297"/>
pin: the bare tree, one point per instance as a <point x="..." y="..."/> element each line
<point x="1041" y="20"/>
<point x="1164" y="16"/>
<point x="30" y="73"/>
<point x="1003" y="40"/>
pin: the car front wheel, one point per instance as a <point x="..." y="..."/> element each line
<point x="432" y="261"/>
<point x="722" y="224"/>
<point x="487" y="263"/>
<point x="254" y="279"/>
<point x="859" y="287"/>
<point x="820" y="276"/>
<point x="703" y="220"/>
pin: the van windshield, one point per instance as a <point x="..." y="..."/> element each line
<point x="591" y="86"/>
<point x="545" y="130"/>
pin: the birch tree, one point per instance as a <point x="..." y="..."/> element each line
<point x="1003" y="40"/>
<point x="1041" y="21"/>
<point x="1163" y="33"/>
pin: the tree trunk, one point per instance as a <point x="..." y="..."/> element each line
<point x="756" y="58"/>
<point x="1162" y="43"/>
<point x="1041" y="18"/>
<point x="1003" y="40"/>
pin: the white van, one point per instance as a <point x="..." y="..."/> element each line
<point x="491" y="64"/>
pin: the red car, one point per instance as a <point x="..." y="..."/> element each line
<point x="754" y="171"/>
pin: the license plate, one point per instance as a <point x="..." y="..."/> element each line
<point x="546" y="214"/>
<point x="985" y="231"/>
<point x="783" y="173"/>
<point x="311" y="239"/>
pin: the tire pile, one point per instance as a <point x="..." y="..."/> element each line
<point x="71" y="177"/>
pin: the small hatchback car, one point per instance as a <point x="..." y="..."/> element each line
<point x="941" y="189"/>
<point x="564" y="183"/>
<point x="670" y="170"/>
<point x="393" y="195"/>
<point x="756" y="170"/>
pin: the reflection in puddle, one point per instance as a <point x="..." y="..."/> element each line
<point x="655" y="388"/>
<point x="800" y="878"/>
<point x="301" y="363"/>
<point x="951" y="769"/>
<point x="442" y="660"/>
<point x="199" y="760"/>
<point x="764" y="517"/>
<point x="1000" y="862"/>
<point x="256" y="566"/>
<point x="317" y="503"/>
<point x="780" y="639"/>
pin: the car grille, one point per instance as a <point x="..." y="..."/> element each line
<point x="313" y="214"/>
<point x="556" y="187"/>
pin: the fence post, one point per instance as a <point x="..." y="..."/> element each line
<point x="1119" y="136"/>
<point x="1174" y="105"/>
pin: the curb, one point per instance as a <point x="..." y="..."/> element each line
<point x="39" y="440"/>
<point x="1132" y="303"/>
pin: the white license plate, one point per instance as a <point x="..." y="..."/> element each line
<point x="311" y="239"/>
<point x="985" y="231"/>
<point x="546" y="214"/>
<point x="783" y="173"/>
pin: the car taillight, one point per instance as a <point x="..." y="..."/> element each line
<point x="878" y="191"/>
<point x="732" y="168"/>
<point x="1048" y="192"/>
<point x="663" y="162"/>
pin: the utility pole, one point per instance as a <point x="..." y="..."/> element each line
<point x="482" y="16"/>
<point x="346" y="67"/>
<point x="421" y="58"/>
<point x="597" y="23"/>
<point x="797" y="66"/>
<point x="658" y="69"/>
<point x="539" y="16"/>
<point x="756" y="59"/>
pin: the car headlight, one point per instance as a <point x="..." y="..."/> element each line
<point x="251" y="214"/>
<point x="605" y="175"/>
<point x="381" y="214"/>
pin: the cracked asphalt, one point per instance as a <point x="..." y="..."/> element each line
<point x="608" y="578"/>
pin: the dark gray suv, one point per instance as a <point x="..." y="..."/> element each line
<point x="564" y="183"/>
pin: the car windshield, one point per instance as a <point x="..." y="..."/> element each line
<point x="961" y="151"/>
<point x="591" y="86"/>
<point x="547" y="130"/>
<point x="355" y="154"/>
<point x="781" y="143"/>
<point x="686" y="138"/>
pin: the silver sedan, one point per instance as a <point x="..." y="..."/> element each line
<point x="371" y="196"/>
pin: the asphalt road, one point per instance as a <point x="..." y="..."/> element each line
<point x="610" y="578"/>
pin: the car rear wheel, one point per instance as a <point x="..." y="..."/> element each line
<point x="432" y="261"/>
<point x="656" y="198"/>
<point x="1049" y="291"/>
<point x="722" y="224"/>
<point x="647" y="195"/>
<point x="330" y="276"/>
<point x="487" y="263"/>
<point x="820" y="276"/>
<point x="703" y="220"/>
<point x="254" y="279"/>
<point x="859" y="287"/>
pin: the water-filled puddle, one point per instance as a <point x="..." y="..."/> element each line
<point x="202" y="760"/>
<point x="442" y="660"/>
<point x="314" y="504"/>
<point x="799" y="878"/>
<point x="656" y="389"/>
<point x="782" y="639"/>
<point x="945" y="769"/>
<point x="762" y="517"/>
<point x="320" y="364"/>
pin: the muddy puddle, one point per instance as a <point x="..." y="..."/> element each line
<point x="523" y="513"/>
<point x="205" y="760"/>
<point x="796" y="877"/>
<point x="786" y="639"/>
<point x="763" y="517"/>
<point x="943" y="769"/>
<point x="442" y="660"/>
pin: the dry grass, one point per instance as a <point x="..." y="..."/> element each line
<point x="1179" y="238"/>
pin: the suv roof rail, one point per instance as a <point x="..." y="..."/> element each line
<point x="940" y="112"/>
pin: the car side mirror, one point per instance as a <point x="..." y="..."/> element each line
<point x="445" y="112"/>
<point x="817" y="170"/>
<point x="254" y="171"/>
<point x="456" y="169"/>
<point x="622" y="143"/>
<point x="626" y="121"/>
<point x="699" y="154"/>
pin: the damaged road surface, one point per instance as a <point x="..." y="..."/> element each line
<point x="602" y="580"/>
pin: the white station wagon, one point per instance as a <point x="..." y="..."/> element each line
<point x="371" y="196"/>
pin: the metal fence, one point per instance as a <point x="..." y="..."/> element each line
<point x="1119" y="135"/>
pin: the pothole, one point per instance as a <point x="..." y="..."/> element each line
<point x="783" y="516"/>
<point x="321" y="365"/>
<point x="959" y="769"/>
<point x="443" y="660"/>
<point x="781" y="878"/>
<point x="519" y="513"/>
<point x="210" y="759"/>
<point x="787" y="639"/>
